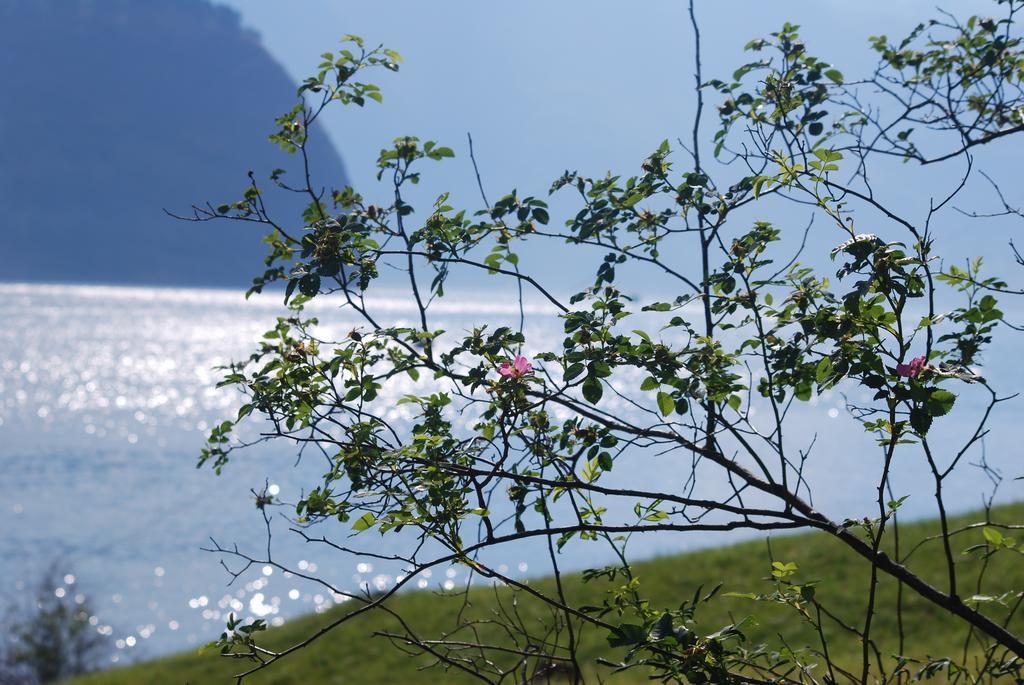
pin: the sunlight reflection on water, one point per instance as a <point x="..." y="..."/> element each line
<point x="106" y="394"/>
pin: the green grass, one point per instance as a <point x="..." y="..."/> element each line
<point x="350" y="653"/>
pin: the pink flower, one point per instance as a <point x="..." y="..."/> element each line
<point x="913" y="369"/>
<point x="519" y="367"/>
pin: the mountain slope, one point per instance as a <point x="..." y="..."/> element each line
<point x="112" y="111"/>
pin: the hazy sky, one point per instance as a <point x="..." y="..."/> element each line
<point x="545" y="86"/>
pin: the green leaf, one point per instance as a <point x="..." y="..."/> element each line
<point x="658" y="307"/>
<point x="920" y="420"/>
<point x="663" y="628"/>
<point x="823" y="370"/>
<point x="940" y="402"/>
<point x="626" y="635"/>
<point x="573" y="371"/>
<point x="835" y="76"/>
<point x="592" y="389"/>
<point x="650" y="383"/>
<point x="309" y="285"/>
<point x="826" y="155"/>
<point x="290" y="289"/>
<point x="895" y="504"/>
<point x="784" y="569"/>
<point x="993" y="536"/>
<point x="665" y="403"/>
<point x="364" y="522"/>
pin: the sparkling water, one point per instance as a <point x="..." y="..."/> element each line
<point x="106" y="394"/>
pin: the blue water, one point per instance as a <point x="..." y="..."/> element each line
<point x="106" y="394"/>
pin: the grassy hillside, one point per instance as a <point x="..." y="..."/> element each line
<point x="350" y="654"/>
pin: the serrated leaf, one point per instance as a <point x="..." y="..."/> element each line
<point x="940" y="402"/>
<point x="920" y="420"/>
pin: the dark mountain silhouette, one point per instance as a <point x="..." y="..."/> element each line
<point x="112" y="110"/>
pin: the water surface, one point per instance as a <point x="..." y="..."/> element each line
<point x="106" y="394"/>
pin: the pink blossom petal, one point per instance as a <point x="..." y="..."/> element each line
<point x="913" y="369"/>
<point x="522" y="366"/>
<point x="518" y="368"/>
